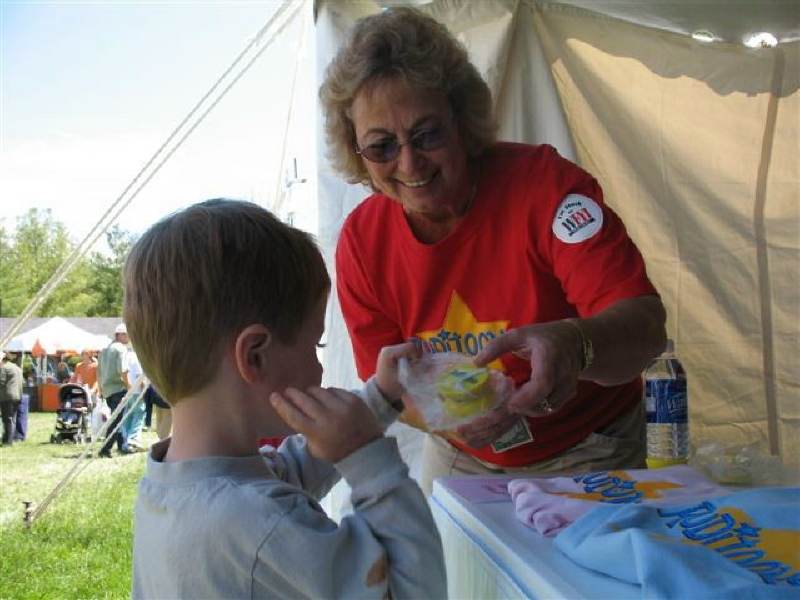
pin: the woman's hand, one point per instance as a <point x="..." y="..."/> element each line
<point x="625" y="337"/>
<point x="485" y="429"/>
<point x="555" y="353"/>
<point x="336" y="423"/>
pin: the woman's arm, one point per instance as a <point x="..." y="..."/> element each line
<point x="625" y="338"/>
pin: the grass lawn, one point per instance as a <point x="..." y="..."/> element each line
<point x="80" y="547"/>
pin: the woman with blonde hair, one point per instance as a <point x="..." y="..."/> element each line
<point x="500" y="250"/>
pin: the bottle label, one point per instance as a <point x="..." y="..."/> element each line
<point x="665" y="400"/>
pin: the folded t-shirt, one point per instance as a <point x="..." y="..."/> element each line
<point x="743" y="545"/>
<point x="549" y="505"/>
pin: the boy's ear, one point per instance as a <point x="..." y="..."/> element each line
<point x="250" y="352"/>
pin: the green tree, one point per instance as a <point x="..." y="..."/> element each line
<point x="12" y="289"/>
<point x="106" y="274"/>
<point x="39" y="246"/>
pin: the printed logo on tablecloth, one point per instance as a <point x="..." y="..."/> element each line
<point x="577" y="219"/>
<point x="617" y="487"/>
<point x="769" y="553"/>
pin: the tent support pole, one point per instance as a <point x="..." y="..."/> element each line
<point x="762" y="256"/>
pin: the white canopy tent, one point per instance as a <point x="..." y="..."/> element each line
<point x="695" y="145"/>
<point x="55" y="335"/>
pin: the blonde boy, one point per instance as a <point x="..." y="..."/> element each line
<point x="225" y="306"/>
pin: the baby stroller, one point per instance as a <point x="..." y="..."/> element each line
<point x="72" y="416"/>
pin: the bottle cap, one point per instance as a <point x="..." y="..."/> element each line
<point x="669" y="347"/>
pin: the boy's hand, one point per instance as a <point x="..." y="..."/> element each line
<point x="336" y="423"/>
<point x="386" y="368"/>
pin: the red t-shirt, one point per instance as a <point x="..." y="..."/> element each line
<point x="524" y="253"/>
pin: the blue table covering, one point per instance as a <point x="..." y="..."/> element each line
<point x="744" y="545"/>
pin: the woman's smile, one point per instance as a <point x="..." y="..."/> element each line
<point x="418" y="183"/>
<point x="433" y="183"/>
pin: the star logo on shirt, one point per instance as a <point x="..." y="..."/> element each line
<point x="620" y="487"/>
<point x="461" y="331"/>
<point x="654" y="489"/>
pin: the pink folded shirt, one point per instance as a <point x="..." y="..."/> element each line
<point x="549" y="505"/>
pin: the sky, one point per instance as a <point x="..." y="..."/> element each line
<point x="89" y="91"/>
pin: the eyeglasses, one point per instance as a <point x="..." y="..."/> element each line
<point x="388" y="148"/>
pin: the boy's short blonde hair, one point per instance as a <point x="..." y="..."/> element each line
<point x="196" y="278"/>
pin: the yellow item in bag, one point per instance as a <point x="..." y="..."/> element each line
<point x="465" y="390"/>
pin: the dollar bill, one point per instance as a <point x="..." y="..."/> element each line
<point x="518" y="435"/>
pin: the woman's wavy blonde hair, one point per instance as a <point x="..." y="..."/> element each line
<point x="402" y="42"/>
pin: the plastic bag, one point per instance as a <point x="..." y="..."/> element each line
<point x="749" y="464"/>
<point x="449" y="391"/>
<point x="100" y="414"/>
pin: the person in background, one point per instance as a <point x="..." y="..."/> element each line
<point x="11" y="383"/>
<point x="217" y="518"/>
<point x="503" y="251"/>
<point x="86" y="373"/>
<point x="21" y="427"/>
<point x="63" y="372"/>
<point x="112" y="375"/>
<point x="133" y="421"/>
<point x="148" y="412"/>
<point x="21" y="433"/>
<point x="162" y="411"/>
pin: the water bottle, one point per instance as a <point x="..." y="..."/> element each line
<point x="666" y="398"/>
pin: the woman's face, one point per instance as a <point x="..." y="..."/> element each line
<point x="432" y="184"/>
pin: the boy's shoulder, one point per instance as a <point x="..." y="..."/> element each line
<point x="223" y="497"/>
<point x="255" y="478"/>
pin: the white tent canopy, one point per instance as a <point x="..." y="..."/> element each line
<point x="56" y="335"/>
<point x="695" y="145"/>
